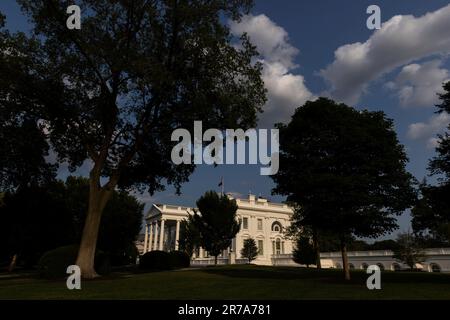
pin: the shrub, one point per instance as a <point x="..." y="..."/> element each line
<point x="102" y="263"/>
<point x="54" y="263"/>
<point x="179" y="259"/>
<point x="155" y="260"/>
<point x="124" y="257"/>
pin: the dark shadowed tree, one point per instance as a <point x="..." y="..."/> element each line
<point x="23" y="145"/>
<point x="38" y="219"/>
<point x="33" y="220"/>
<point x="431" y="215"/>
<point x="216" y="221"/>
<point x="249" y="250"/>
<point x="408" y="250"/>
<point x="345" y="169"/>
<point x="121" y="219"/>
<point x="383" y="245"/>
<point x="189" y="236"/>
<point x="440" y="164"/>
<point x="304" y="252"/>
<point x="114" y="91"/>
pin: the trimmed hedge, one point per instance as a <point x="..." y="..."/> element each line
<point x="155" y="260"/>
<point x="161" y="260"/>
<point x="54" y="263"/>
<point x="180" y="259"/>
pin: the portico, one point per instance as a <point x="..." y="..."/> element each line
<point x="162" y="228"/>
<point x="260" y="219"/>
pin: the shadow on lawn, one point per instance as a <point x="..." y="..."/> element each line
<point x="324" y="275"/>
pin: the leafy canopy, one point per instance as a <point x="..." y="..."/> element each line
<point x="344" y="170"/>
<point x="249" y="249"/>
<point x="114" y="91"/>
<point x="216" y="222"/>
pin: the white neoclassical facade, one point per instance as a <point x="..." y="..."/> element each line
<point x="262" y="220"/>
<point x="265" y="222"/>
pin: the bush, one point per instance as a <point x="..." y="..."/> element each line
<point x="102" y="263"/>
<point x="54" y="263"/>
<point x="179" y="259"/>
<point x="155" y="260"/>
<point x="125" y="257"/>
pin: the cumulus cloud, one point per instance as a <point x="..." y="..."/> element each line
<point x="286" y="89"/>
<point x="417" y="85"/>
<point x="401" y="40"/>
<point x="427" y="131"/>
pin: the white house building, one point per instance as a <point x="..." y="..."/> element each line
<point x="262" y="220"/>
<point x="265" y="222"/>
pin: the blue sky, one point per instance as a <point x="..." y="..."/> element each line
<point x="323" y="47"/>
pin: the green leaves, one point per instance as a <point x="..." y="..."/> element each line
<point x="116" y="89"/>
<point x="344" y="168"/>
<point x="249" y="249"/>
<point x="216" y="222"/>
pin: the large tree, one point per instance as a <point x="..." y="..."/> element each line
<point x="431" y="215"/>
<point x="121" y="219"/>
<point x="113" y="92"/>
<point x="36" y="219"/>
<point x="23" y="145"/>
<point x="408" y="250"/>
<point x="216" y="222"/>
<point x="345" y="169"/>
<point x="440" y="164"/>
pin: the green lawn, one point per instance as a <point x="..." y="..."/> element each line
<point x="234" y="282"/>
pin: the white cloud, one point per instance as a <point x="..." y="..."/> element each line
<point x="417" y="85"/>
<point x="286" y="89"/>
<point x="427" y="131"/>
<point x="401" y="40"/>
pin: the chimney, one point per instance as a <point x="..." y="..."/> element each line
<point x="251" y="198"/>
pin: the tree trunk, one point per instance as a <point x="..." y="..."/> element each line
<point x="317" y="249"/>
<point x="98" y="197"/>
<point x="13" y="263"/>
<point x="215" y="260"/>
<point x="345" y="260"/>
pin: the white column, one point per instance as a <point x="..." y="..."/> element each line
<point x="177" y="235"/>
<point x="146" y="238"/>
<point x="156" y="236"/>
<point x="161" y="235"/>
<point x="200" y="253"/>
<point x="150" y="240"/>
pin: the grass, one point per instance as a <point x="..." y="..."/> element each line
<point x="234" y="282"/>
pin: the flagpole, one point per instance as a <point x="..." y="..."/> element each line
<point x="223" y="186"/>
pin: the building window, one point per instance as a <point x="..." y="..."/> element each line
<point x="260" y="247"/>
<point x="276" y="226"/>
<point x="260" y="224"/>
<point x="278" y="247"/>
<point x="245" y="223"/>
<point x="435" y="267"/>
